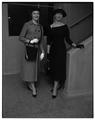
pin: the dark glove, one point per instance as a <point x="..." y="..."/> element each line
<point x="80" y="46"/>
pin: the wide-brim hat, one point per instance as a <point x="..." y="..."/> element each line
<point x="59" y="10"/>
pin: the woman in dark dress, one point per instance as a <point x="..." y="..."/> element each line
<point x="58" y="33"/>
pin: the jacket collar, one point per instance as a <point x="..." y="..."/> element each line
<point x="32" y="23"/>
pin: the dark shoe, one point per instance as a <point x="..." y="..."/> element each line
<point x="29" y="88"/>
<point x="34" y="95"/>
<point x="53" y="96"/>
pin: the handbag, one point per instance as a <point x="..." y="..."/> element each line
<point x="31" y="51"/>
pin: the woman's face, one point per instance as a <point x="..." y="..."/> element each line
<point x="58" y="16"/>
<point x="35" y="15"/>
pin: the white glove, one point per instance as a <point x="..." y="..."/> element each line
<point x="35" y="40"/>
<point x="74" y="45"/>
<point x="42" y="56"/>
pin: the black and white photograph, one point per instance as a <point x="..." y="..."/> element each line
<point x="47" y="59"/>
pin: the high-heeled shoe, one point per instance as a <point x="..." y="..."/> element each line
<point x="30" y="88"/>
<point x="34" y="95"/>
<point x="54" y="96"/>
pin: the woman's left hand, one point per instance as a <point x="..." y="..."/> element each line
<point x="80" y="46"/>
<point x="77" y="46"/>
<point x="42" y="56"/>
<point x="74" y="45"/>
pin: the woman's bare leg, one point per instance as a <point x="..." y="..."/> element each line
<point x="33" y="88"/>
<point x="55" y="89"/>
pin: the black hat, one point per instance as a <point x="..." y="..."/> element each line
<point x="35" y="8"/>
<point x="59" y="10"/>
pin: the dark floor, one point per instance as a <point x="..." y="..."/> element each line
<point x="18" y="102"/>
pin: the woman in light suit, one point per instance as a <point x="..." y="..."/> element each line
<point x="32" y="35"/>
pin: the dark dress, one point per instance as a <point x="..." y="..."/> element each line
<point x="56" y="39"/>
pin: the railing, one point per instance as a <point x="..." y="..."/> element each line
<point x="81" y="20"/>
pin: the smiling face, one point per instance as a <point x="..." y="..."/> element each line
<point x="58" y="16"/>
<point x="35" y="15"/>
